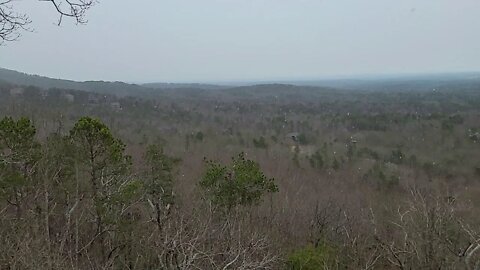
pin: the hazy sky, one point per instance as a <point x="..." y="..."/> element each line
<point x="222" y="40"/>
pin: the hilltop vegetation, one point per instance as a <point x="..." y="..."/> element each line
<point x="383" y="175"/>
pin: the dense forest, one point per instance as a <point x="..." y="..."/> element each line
<point x="373" y="174"/>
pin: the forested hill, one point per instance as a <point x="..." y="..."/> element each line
<point x="120" y="89"/>
<point x="156" y="90"/>
<point x="265" y="171"/>
<point x="400" y="83"/>
<point x="115" y="88"/>
<point x="467" y="82"/>
<point x="184" y="85"/>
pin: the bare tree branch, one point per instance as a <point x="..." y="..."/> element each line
<point x="12" y="23"/>
<point x="75" y="9"/>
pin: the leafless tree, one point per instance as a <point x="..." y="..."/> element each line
<point x="13" y="22"/>
<point x="427" y="233"/>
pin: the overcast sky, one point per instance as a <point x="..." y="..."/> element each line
<point x="237" y="40"/>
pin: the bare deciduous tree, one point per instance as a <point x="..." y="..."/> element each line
<point x="13" y="22"/>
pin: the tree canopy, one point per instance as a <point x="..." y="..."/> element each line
<point x="242" y="183"/>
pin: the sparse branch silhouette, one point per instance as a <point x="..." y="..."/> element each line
<point x="12" y="22"/>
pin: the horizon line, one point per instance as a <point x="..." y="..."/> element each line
<point x="344" y="77"/>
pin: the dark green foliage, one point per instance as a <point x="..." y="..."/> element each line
<point x="199" y="136"/>
<point x="368" y="153"/>
<point x="311" y="258"/>
<point x="98" y="149"/>
<point x="296" y="154"/>
<point x="447" y="125"/>
<point x="450" y="122"/>
<point x="477" y="171"/>
<point x="59" y="165"/>
<point x="351" y="149"/>
<point x="187" y="142"/>
<point x="159" y="179"/>
<point x="381" y="177"/>
<point x="456" y="119"/>
<point x="302" y="139"/>
<point x="397" y="156"/>
<point x="127" y="192"/>
<point x="474" y="135"/>
<point x="242" y="183"/>
<point x="335" y="164"/>
<point x="413" y="161"/>
<point x="366" y="122"/>
<point x="430" y="168"/>
<point x="260" y="143"/>
<point x="316" y="160"/>
<point x="17" y="140"/>
<point x="103" y="157"/>
<point x="19" y="154"/>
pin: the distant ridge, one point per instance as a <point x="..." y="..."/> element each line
<point x="184" y="85"/>
<point x="420" y="82"/>
<point x="102" y="87"/>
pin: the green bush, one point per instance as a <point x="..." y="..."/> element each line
<point x="381" y="177"/>
<point x="199" y="136"/>
<point x="240" y="183"/>
<point x="311" y="258"/>
<point x="260" y="143"/>
<point x="302" y="139"/>
<point x="317" y="160"/>
<point x="397" y="157"/>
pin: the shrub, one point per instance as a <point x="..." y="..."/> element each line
<point x="311" y="258"/>
<point x="199" y="136"/>
<point x="260" y="143"/>
<point x="317" y="160"/>
<point x="241" y="183"/>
